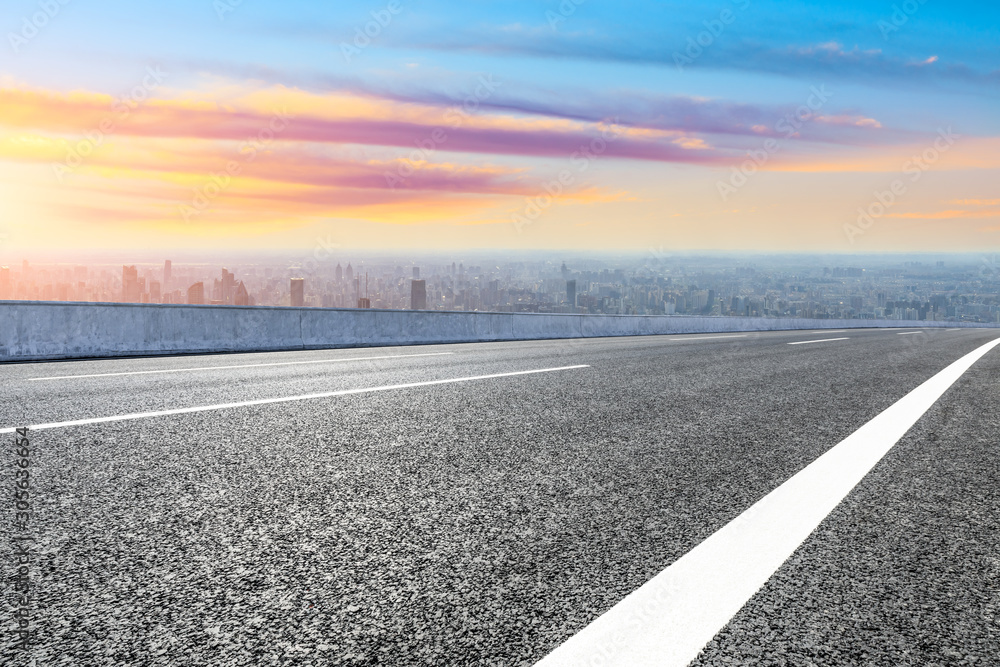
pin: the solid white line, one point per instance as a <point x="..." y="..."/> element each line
<point x="959" y="329"/>
<point x="907" y="333"/>
<point x="667" y="621"/>
<point x="217" y="368"/>
<point x="287" y="399"/>
<point x="822" y="340"/>
<point x="826" y="331"/>
<point x="710" y="337"/>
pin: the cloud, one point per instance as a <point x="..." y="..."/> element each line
<point x="975" y="202"/>
<point x="827" y="59"/>
<point x="683" y="114"/>
<point x="82" y="113"/>
<point x="945" y="215"/>
<point x="284" y="164"/>
<point x="162" y="157"/>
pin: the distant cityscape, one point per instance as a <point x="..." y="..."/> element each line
<point x="955" y="288"/>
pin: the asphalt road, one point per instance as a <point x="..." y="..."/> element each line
<point x="485" y="522"/>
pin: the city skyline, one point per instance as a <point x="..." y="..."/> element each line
<point x="763" y="126"/>
<point x="946" y="288"/>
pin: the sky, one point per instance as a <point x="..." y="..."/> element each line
<point x="577" y="124"/>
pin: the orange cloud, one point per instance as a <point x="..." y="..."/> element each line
<point x="975" y="202"/>
<point x="946" y="215"/>
<point x="397" y="125"/>
<point x="965" y="153"/>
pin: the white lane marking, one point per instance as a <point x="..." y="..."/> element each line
<point x="217" y="368"/>
<point x="710" y="337"/>
<point x="822" y="340"/>
<point x="909" y="333"/>
<point x="828" y="332"/>
<point x="959" y="329"/>
<point x="667" y="621"/>
<point x="286" y="399"/>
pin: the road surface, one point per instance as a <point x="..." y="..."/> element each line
<point x="484" y="504"/>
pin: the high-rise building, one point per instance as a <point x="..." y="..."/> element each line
<point x="298" y="290"/>
<point x="418" y="295"/>
<point x="241" y="297"/>
<point x="416" y="273"/>
<point x="6" y="289"/>
<point x="196" y="294"/>
<point x="339" y="273"/>
<point x="571" y="293"/>
<point x="228" y="286"/>
<point x="350" y="273"/>
<point x="167" y="272"/>
<point x="154" y="292"/>
<point x="131" y="293"/>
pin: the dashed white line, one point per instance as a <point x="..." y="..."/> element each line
<point x="287" y="399"/>
<point x="709" y="337"/>
<point x="959" y="329"/>
<point x="829" y="332"/>
<point x="218" y="368"/>
<point x="667" y="621"/>
<point x="909" y="333"/>
<point x="822" y="340"/>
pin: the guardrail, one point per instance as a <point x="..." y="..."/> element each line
<point x="39" y="330"/>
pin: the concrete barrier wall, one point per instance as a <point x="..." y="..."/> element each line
<point x="31" y="330"/>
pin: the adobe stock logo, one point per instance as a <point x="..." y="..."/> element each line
<point x="566" y="9"/>
<point x="456" y="117"/>
<point x="32" y="25"/>
<point x="914" y="168"/>
<point x="363" y="36"/>
<point x="706" y="38"/>
<point x="121" y="108"/>
<point x="581" y="160"/>
<point x="788" y="126"/>
<point x="901" y="15"/>
<point x="219" y="182"/>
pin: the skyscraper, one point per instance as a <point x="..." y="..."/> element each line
<point x="416" y="273"/>
<point x="242" y="297"/>
<point x="5" y="286"/>
<point x="339" y="274"/>
<point x="350" y="273"/>
<point x="228" y="286"/>
<point x="571" y="293"/>
<point x="130" y="285"/>
<point x="167" y="271"/>
<point x="298" y="290"/>
<point x="196" y="294"/>
<point x="418" y="295"/>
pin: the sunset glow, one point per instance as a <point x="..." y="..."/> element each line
<point x="507" y="134"/>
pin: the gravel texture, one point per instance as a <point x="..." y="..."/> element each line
<point x="484" y="523"/>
